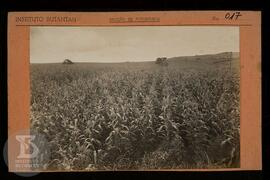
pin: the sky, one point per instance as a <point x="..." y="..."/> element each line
<point x="133" y="43"/>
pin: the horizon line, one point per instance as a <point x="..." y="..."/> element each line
<point x="128" y="61"/>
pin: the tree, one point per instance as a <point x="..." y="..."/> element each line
<point x="162" y="61"/>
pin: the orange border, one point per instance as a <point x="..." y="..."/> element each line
<point x="250" y="61"/>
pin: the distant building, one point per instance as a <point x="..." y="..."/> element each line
<point x="67" y="61"/>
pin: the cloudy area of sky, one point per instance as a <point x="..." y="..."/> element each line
<point x="120" y="44"/>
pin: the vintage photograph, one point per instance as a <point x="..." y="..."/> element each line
<point x="136" y="97"/>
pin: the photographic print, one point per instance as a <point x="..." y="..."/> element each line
<point x="112" y="98"/>
<point x="134" y="91"/>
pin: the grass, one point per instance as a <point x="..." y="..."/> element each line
<point x="136" y="116"/>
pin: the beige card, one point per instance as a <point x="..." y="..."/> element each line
<point x="161" y="91"/>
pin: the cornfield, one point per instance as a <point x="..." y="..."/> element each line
<point x="121" y="117"/>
